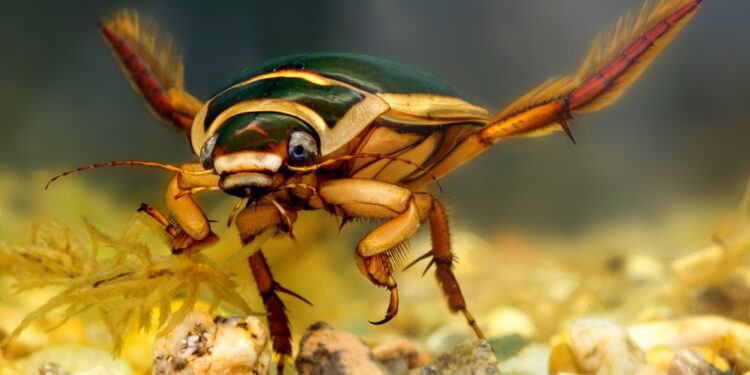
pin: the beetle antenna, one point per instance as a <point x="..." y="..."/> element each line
<point x="364" y="155"/>
<point x="149" y="164"/>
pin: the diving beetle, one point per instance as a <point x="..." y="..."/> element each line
<point x="358" y="136"/>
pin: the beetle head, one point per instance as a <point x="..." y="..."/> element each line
<point x="250" y="151"/>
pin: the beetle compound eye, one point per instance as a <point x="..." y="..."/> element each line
<point x="302" y="150"/>
<point x="205" y="156"/>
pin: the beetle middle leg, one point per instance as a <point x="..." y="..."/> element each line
<point x="405" y="211"/>
<point x="378" y="250"/>
<point x="278" y="321"/>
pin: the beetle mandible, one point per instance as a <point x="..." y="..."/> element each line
<point x="358" y="136"/>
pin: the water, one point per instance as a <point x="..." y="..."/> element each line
<point x="651" y="176"/>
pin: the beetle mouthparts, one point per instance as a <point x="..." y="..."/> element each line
<point x="244" y="161"/>
<point x="245" y="180"/>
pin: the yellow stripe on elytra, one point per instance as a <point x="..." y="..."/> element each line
<point x="198" y="134"/>
<point x="433" y="107"/>
<point x="349" y="125"/>
<point x="307" y="76"/>
<point x="352" y="123"/>
<point x="422" y="109"/>
<point x="284" y="106"/>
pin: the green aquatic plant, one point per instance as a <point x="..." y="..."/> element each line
<point x="126" y="285"/>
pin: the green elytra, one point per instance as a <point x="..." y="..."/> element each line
<point x="367" y="73"/>
<point x="372" y="74"/>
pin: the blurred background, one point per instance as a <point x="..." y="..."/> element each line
<point x="681" y="133"/>
<point x="675" y="146"/>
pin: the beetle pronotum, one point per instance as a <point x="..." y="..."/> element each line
<point x="354" y="135"/>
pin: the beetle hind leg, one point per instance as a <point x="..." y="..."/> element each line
<point x="153" y="66"/>
<point x="443" y="259"/>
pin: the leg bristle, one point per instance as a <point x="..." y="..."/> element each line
<point x="397" y="255"/>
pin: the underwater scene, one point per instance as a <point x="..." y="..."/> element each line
<point x="302" y="187"/>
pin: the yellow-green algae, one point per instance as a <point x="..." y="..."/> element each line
<point x="124" y="287"/>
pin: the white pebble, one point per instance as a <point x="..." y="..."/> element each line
<point x="690" y="331"/>
<point x="603" y="348"/>
<point x="643" y="269"/>
<point x="507" y="320"/>
<point x="201" y="345"/>
<point x="531" y="360"/>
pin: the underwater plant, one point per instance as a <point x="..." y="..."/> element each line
<point x="126" y="287"/>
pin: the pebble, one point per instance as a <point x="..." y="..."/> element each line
<point x="722" y="341"/>
<point x="691" y="331"/>
<point x="508" y="346"/>
<point x="73" y="359"/>
<point x="473" y="358"/>
<point x="701" y="267"/>
<point x="562" y="360"/>
<point x="690" y="362"/>
<point x="532" y="360"/>
<point x="205" y="345"/>
<point x="447" y="336"/>
<point x="643" y="269"/>
<point x="326" y="350"/>
<point x="603" y="348"/>
<point x="713" y="262"/>
<point x="51" y="368"/>
<point x="506" y="320"/>
<point x="400" y="356"/>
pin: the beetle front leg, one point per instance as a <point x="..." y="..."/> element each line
<point x="378" y="250"/>
<point x="188" y="228"/>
